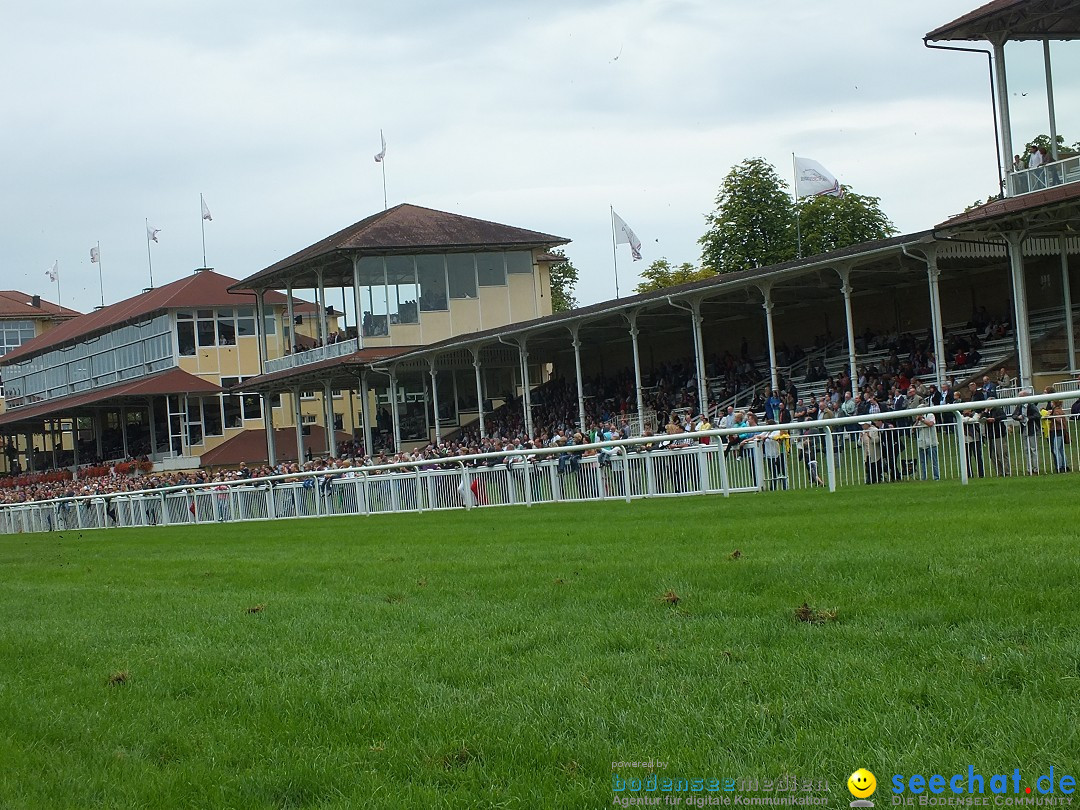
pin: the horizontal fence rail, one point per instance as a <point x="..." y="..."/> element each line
<point x="966" y="443"/>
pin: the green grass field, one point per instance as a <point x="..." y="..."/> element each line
<point x="507" y="657"/>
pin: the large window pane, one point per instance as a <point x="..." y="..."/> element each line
<point x="402" y="289"/>
<point x="461" y="274"/>
<point x="490" y="269"/>
<point x="245" y="321"/>
<point x="519" y="261"/>
<point x="431" y="274"/>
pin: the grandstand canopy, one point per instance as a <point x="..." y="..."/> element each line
<point x="1014" y="20"/>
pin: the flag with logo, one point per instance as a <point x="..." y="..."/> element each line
<point x="152" y="232"/>
<point x="379" y="157"/>
<point x="54" y="272"/>
<point x="205" y="210"/>
<point x="623" y="235"/>
<point x="814" y="180"/>
<point x="95" y="255"/>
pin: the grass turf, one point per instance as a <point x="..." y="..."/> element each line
<point x="507" y="657"/>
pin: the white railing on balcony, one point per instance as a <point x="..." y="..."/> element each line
<point x="312" y="355"/>
<point x="1046" y="176"/>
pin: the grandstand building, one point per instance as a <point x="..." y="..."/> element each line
<point x="452" y="323"/>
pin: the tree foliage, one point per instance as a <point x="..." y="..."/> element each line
<point x="662" y="274"/>
<point x="754" y="221"/>
<point x="829" y="223"/>
<point x="564" y="279"/>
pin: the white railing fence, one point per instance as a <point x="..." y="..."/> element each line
<point x="331" y="350"/>
<point x="964" y="445"/>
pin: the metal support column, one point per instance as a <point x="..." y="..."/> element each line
<point x="394" y="410"/>
<point x="268" y="426"/>
<point x="479" y="390"/>
<point x="1050" y="100"/>
<point x="577" y="376"/>
<point x="299" y="425"/>
<point x="323" y="333"/>
<point x="767" y="305"/>
<point x="526" y="396"/>
<point x="699" y="357"/>
<point x="292" y="321"/>
<point x="1003" y="108"/>
<point x="937" y="323"/>
<point x="1020" y="317"/>
<point x="845" y="277"/>
<point x="1066" y="295"/>
<point x="434" y="399"/>
<point x="632" y="319"/>
<point x="328" y="417"/>
<point x="365" y="411"/>
<point x="357" y="308"/>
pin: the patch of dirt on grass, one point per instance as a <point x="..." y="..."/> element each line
<point x="669" y="597"/>
<point x="735" y="555"/>
<point x="812" y="615"/>
<point x="256" y="609"/>
<point x="394" y="598"/>
<point x="119" y="678"/>
<point x="459" y="759"/>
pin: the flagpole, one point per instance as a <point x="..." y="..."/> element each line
<point x="614" y="251"/>
<point x="101" y="279"/>
<point x="795" y="195"/>
<point x="383" y="163"/>
<point x="59" y="295"/>
<point x="202" y="226"/>
<point x="149" y="260"/>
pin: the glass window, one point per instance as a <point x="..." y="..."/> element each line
<point x="402" y="289"/>
<point x="252" y="404"/>
<point x="231" y="406"/>
<point x="490" y="270"/>
<point x="212" y="416"/>
<point x="226" y="328"/>
<point x="206" y="333"/>
<point x="461" y="273"/>
<point x="431" y="275"/>
<point x="245" y="321"/>
<point x="270" y="325"/>
<point x="519" y="261"/>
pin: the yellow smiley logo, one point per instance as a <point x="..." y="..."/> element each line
<point x="862" y="784"/>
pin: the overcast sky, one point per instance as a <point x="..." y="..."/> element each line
<point x="534" y="115"/>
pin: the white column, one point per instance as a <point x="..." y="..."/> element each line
<point x="1050" y="100"/>
<point x="577" y="375"/>
<point x="632" y="318"/>
<point x="1020" y="315"/>
<point x="357" y="308"/>
<point x="323" y="333"/>
<point x="1003" y="105"/>
<point x="299" y="426"/>
<point x="526" y="397"/>
<point x="292" y="320"/>
<point x="434" y="399"/>
<point x="365" y="411"/>
<point x="328" y="416"/>
<point x="260" y="328"/>
<point x="394" y="411"/>
<point x="699" y="357"/>
<point x="845" y="275"/>
<point x="936" y="321"/>
<point x="767" y="305"/>
<point x="123" y="431"/>
<point x="479" y="390"/>
<point x="1066" y="294"/>
<point x="268" y="426"/>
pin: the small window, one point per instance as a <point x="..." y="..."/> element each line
<point x="490" y="270"/>
<point x="519" y="261"/>
<point x="461" y="273"/>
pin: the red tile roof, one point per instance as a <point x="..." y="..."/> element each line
<point x="173" y="381"/>
<point x="1014" y="205"/>
<point x="15" y="304"/>
<point x="1014" y="20"/>
<point x="412" y="228"/>
<point x="249" y="446"/>
<point x="203" y="289"/>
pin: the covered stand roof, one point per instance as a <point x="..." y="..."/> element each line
<point x="1014" y="20"/>
<point x="1052" y="212"/>
<point x="202" y="289"/>
<point x="16" y="304"/>
<point x="173" y="381"/>
<point x="404" y="228"/>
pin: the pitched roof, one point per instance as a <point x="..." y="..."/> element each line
<point x="15" y="304"/>
<point x="173" y="381"/>
<point x="1024" y="203"/>
<point x="413" y="229"/>
<point x="1014" y="20"/>
<point x="202" y="289"/>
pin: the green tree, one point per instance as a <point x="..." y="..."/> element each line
<point x="829" y="223"/>
<point x="754" y="221"/>
<point x="564" y="279"/>
<point x="662" y="274"/>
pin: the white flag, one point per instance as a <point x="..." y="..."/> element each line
<point x="152" y="232"/>
<point x="205" y="209"/>
<point x="95" y="257"/>
<point x="379" y="157"/>
<point x="54" y="272"/>
<point x="813" y="180"/>
<point x="623" y="234"/>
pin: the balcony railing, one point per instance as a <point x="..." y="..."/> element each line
<point x="341" y="349"/>
<point x="1048" y="175"/>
